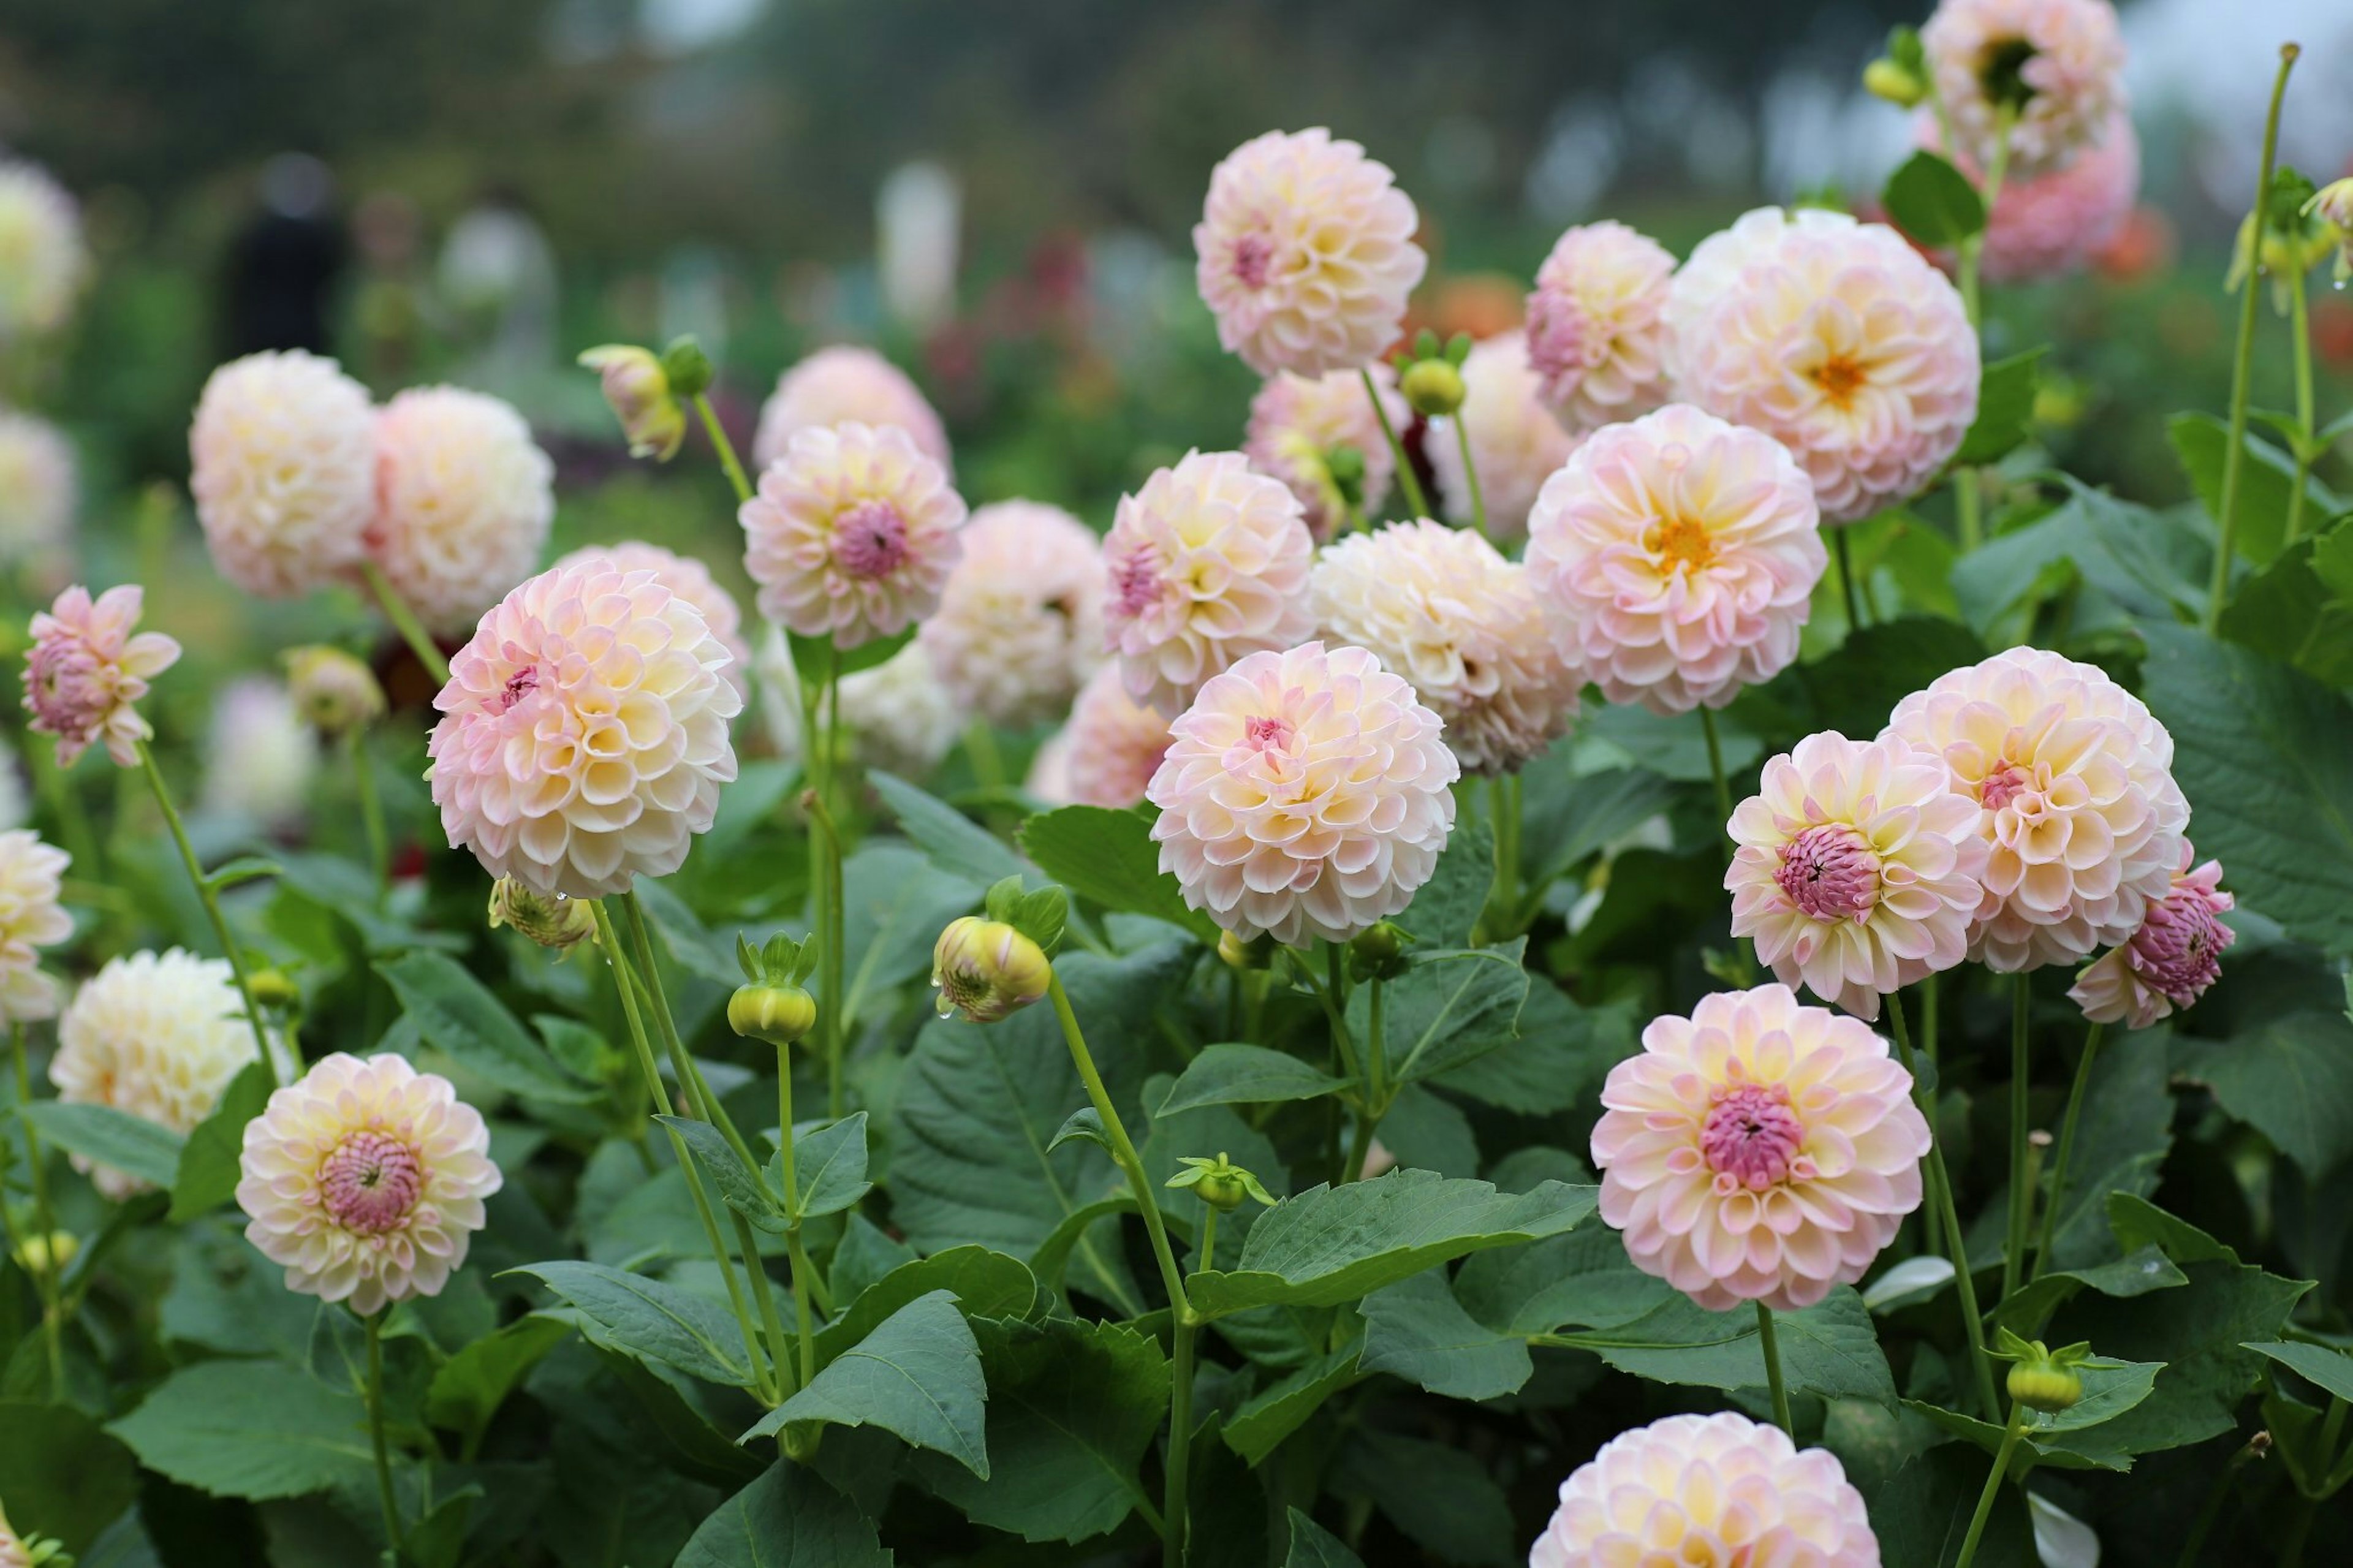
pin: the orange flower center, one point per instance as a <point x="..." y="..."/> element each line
<point x="1682" y="543"/>
<point x="1839" y="378"/>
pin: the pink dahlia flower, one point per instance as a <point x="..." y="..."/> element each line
<point x="1305" y="794"/>
<point x="1514" y="439"/>
<point x="283" y="468"/>
<point x="1108" y="752"/>
<point x="1206" y="563"/>
<point x="87" y="670"/>
<point x="30" y="918"/>
<point x="1837" y="339"/>
<point x="846" y="386"/>
<point x="2170" y="960"/>
<point x="1597" y="326"/>
<point x="1759" y="1150"/>
<point x="2050" y="225"/>
<point x="691" y="580"/>
<point x="1677" y="556"/>
<point x="2078" y="804"/>
<point x="1020" y="621"/>
<point x="1297" y="422"/>
<point x="1307" y="254"/>
<point x="582" y="736"/>
<point x="1857" y="869"/>
<point x="2057" y="64"/>
<point x="463" y="502"/>
<point x="1719" y="1489"/>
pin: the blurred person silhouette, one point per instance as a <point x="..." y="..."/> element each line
<point x="284" y="265"/>
<point x="393" y="311"/>
<point x="498" y="281"/>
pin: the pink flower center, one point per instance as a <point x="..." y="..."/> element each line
<point x="1135" y="582"/>
<point x="69" y="690"/>
<point x="2178" y="949"/>
<point x="1253" y="258"/>
<point x="1267" y="732"/>
<point x="1752" y="1136"/>
<point x="371" y="1182"/>
<point x="1829" y="873"/>
<point x="521" y="684"/>
<point x="2004" y="785"/>
<point x="870" y="539"/>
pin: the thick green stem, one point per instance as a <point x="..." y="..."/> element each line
<point x="1375" y="1104"/>
<point x="395" y="1543"/>
<point x="45" y="1279"/>
<point x="1845" y="541"/>
<point x="1471" y="474"/>
<point x="2059" y="1159"/>
<point x="1940" y="1193"/>
<point x="825" y="872"/>
<point x="1174" y="1520"/>
<point x="1770" y="1343"/>
<point x="370" y="809"/>
<point x="724" y="447"/>
<point x="404" y="621"/>
<point x="2021" y="1186"/>
<point x="2009" y="1436"/>
<point x="798" y="1254"/>
<point x="210" y="897"/>
<point x="1406" y="479"/>
<point x="2300" y="318"/>
<point x="1716" y="771"/>
<point x="1503" y="805"/>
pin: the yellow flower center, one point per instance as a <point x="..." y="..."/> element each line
<point x="1839" y="378"/>
<point x="1682" y="543"/>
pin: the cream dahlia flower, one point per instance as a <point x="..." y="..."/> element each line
<point x="691" y="580"/>
<point x="1442" y="608"/>
<point x="843" y="385"/>
<point x="1597" y="326"/>
<point x="463" y="502"/>
<point x="30" y="919"/>
<point x="366" y="1180"/>
<point x="1677" y="556"/>
<point x="2170" y="960"/>
<point x="582" y="736"/>
<point x="1108" y="752"/>
<point x="1856" y="868"/>
<point x="260" y="757"/>
<point x="1759" y="1150"/>
<point x="2053" y="223"/>
<point x="283" y="467"/>
<point x="1206" y="564"/>
<point x="1298" y="423"/>
<point x="1714" y="1489"/>
<point x="2078" y="806"/>
<point x="40" y="490"/>
<point x="1305" y="794"/>
<point x="852" y="534"/>
<point x="87" y="670"/>
<point x="1514" y="439"/>
<point x="43" y="262"/>
<point x="155" y="1035"/>
<point x="1020" y="621"/>
<point x="2058" y="66"/>
<point x="1305" y="254"/>
<point x="896" y="716"/>
<point x="1837" y="339"/>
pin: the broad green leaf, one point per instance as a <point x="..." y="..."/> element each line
<point x="2005" y="408"/>
<point x="954" y="842"/>
<point x="1233" y="1073"/>
<point x="207" y="1176"/>
<point x="1922" y="1514"/>
<point x="862" y="1256"/>
<point x="738" y="1184"/>
<point x="468" y="1389"/>
<point x="984" y="1284"/>
<point x="2325" y="1365"/>
<point x="2286" y="611"/>
<point x="917" y="1374"/>
<point x="131" y="1145"/>
<point x="254" y="1429"/>
<point x="1563" y="1053"/>
<point x="457" y="1015"/>
<point x="60" y="1475"/>
<point x="647" y="1318"/>
<point x="1430" y="1132"/>
<point x="1446" y="908"/>
<point x="1450" y="1008"/>
<point x="1283" y="1406"/>
<point x="2147" y="1268"/>
<point x="1668" y="745"/>
<point x="830" y="1166"/>
<point x="681" y="1436"/>
<point x="1084" y="1125"/>
<point x="788" y="1518"/>
<point x="1932" y="201"/>
<point x="894" y="902"/>
<point x="2292" y="1078"/>
<point x="2070" y="1439"/>
<point x="2150" y="566"/>
<point x="1583" y="1280"/>
<point x="1415" y="1329"/>
<point x="1312" y="1546"/>
<point x="2126" y="1130"/>
<point x="1441" y="1497"/>
<point x="1831" y="1349"/>
<point x="1108" y="857"/>
<point x="1854" y="688"/>
<point x="2139" y="1222"/>
<point x="1567" y="818"/>
<point x="2267" y="481"/>
<point x="1051" y="1260"/>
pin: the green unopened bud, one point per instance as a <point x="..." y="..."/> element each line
<point x="640" y="393"/>
<point x="274" y="988"/>
<point x="688" y="368"/>
<point x="1219" y="1183"/>
<point x="987" y="970"/>
<point x="1885" y="78"/>
<point x="1256" y="954"/>
<point x="332" y="692"/>
<point x="776" y="1013"/>
<point x="1377" y="952"/>
<point x="43" y="1255"/>
<point x="1432" y="386"/>
<point x="2040" y="1378"/>
<point x="550" y="920"/>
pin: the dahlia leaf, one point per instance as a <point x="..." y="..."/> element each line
<point x="1283" y="1406"/>
<point x="2005" y="408"/>
<point x="1108" y="857"/>
<point x="739" y="1185"/>
<point x="131" y="1145"/>
<point x="457" y="1015"/>
<point x="1418" y="1331"/>
<point x="917" y="1374"/>
<point x="647" y="1318"/>
<point x="984" y="1284"/>
<point x="254" y="1429"/>
<point x="954" y="842"/>
<point x="1312" y="1546"/>
<point x="1932" y="201"/>
<point x="2291" y="1080"/>
<point x="207" y="1174"/>
<point x="787" y="1517"/>
<point x="1237" y="1074"/>
<point x="829" y="1166"/>
<point x="2201" y="442"/>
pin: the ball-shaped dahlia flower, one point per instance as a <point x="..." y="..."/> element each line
<point x="155" y="1035"/>
<point x="40" y="490"/>
<point x="1677" y="557"/>
<point x="1020" y="621"/>
<point x="2170" y="960"/>
<point x="582" y="736"/>
<point x="282" y="462"/>
<point x="43" y="262"/>
<point x="1514" y="439"/>
<point x="1299" y="424"/>
<point x="2053" y="223"/>
<point x="87" y="670"/>
<point x="852" y="534"/>
<point x="260" y="757"/>
<point x="1108" y="752"/>
<point x="1719" y="1490"/>
<point x="1837" y="339"/>
<point x="1305" y="794"/>
<point x="1856" y="868"/>
<point x="1597" y="325"/>
<point x="691" y="580"/>
<point x="463" y="502"/>
<point x="2057" y="66"/>
<point x="846" y="384"/>
<point x="1206" y="564"/>
<point x="1442" y="608"/>
<point x="365" y="1181"/>
<point x="1305" y="254"/>
<point x="896" y="716"/>
<point x="2078" y="804"/>
<point x="30" y="919"/>
<point x="1759" y="1150"/>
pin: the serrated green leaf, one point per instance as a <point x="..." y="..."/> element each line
<point x="1568" y="818"/>
<point x="830" y="1166"/>
<point x="1447" y="1010"/>
<point x="131" y="1145"/>
<point x="647" y="1318"/>
<point x="254" y="1429"/>
<point x="1831" y="1349"/>
<point x="738" y="1184"/>
<point x="1234" y="1074"/>
<point x="862" y="1256"/>
<point x="2267" y="481"/>
<point x="1922" y="1514"/>
<point x="1855" y="687"/>
<point x="1932" y="201"/>
<point x="1418" y="1331"/>
<point x="2325" y="1366"/>
<point x="917" y="1375"/>
<point x="457" y="1016"/>
<point x="952" y="842"/>
<point x="1283" y="1406"/>
<point x="788" y="1517"/>
<point x="61" y="1475"/>
<point x="468" y="1389"/>
<point x="2147" y="1268"/>
<point x="1583" y="1278"/>
<point x="1440" y="1497"/>
<point x="2291" y="1077"/>
<point x="2005" y="408"/>
<point x="985" y="1284"/>
<point x="2126" y="1131"/>
<point x="1446" y="908"/>
<point x="1562" y="1054"/>
<point x="2287" y="612"/>
<point x="1312" y="1546"/>
<point x="2070" y="1439"/>
<point x="207" y="1174"/>
<point x="1108" y="858"/>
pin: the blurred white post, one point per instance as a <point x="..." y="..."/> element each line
<point x="918" y="215"/>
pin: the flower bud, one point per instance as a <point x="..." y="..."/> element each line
<point x="637" y="389"/>
<point x="1377" y="952"/>
<point x="1219" y="1183"/>
<point x="549" y="919"/>
<point x="274" y="988"/>
<point x="1256" y="954"/>
<point x="2045" y="1387"/>
<point x="334" y="692"/>
<point x="1432" y="386"/>
<point x="43" y="1255"/>
<point x="688" y="368"/>
<point x="779" y="1014"/>
<point x="987" y="970"/>
<point x="1345" y="465"/>
<point x="1885" y="78"/>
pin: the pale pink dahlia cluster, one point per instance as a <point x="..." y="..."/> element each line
<point x="1305" y="254"/>
<point x="1020" y="620"/>
<point x="463" y="501"/>
<point x="691" y="580"/>
<point x="365" y="1181"/>
<point x="87" y="670"/>
<point x="1597" y="324"/>
<point x="2078" y="804"/>
<point x="1837" y="339"/>
<point x="40" y="490"/>
<point x="2049" y="225"/>
<point x="30" y="919"/>
<point x="1677" y="556"/>
<point x="582" y="736"/>
<point x="852" y="534"/>
<point x="1108" y="752"/>
<point x="1296" y="424"/>
<point x="1759" y="1150"/>
<point x="1205" y="564"/>
<point x="2170" y="960"/>
<point x="1720" y="1490"/>
<point x="1514" y="439"/>
<point x="282" y="466"/>
<point x="846" y="384"/>
<point x="2056" y="66"/>
<point x="1305" y="794"/>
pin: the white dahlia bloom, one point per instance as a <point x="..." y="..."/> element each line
<point x="30" y="919"/>
<point x="463" y="502"/>
<point x="1108" y="752"/>
<point x="1514" y="439"/>
<point x="582" y="736"/>
<point x="282" y="460"/>
<point x="2058" y="66"/>
<point x="41" y="489"/>
<point x="1020" y="621"/>
<point x="897" y="716"/>
<point x="1297" y="422"/>
<point x="846" y="384"/>
<point x="42" y="261"/>
<point x="691" y="580"/>
<point x="261" y="756"/>
<point x="1597" y="325"/>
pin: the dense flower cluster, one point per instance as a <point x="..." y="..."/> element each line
<point x="1021" y="620"/>
<point x="846" y="386"/>
<point x="464" y="500"/>
<point x="691" y="580"/>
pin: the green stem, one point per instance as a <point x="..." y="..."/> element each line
<point x="2009" y="1436"/>
<point x="1940" y="1193"/>
<point x="1407" y="482"/>
<point x="210" y="897"/>
<point x="2299" y="1530"/>
<point x="2300" y="319"/>
<point x="987" y="762"/>
<point x="724" y="447"/>
<point x="1969" y="503"/>
<point x="2215" y="1496"/>
<point x="1503" y="805"/>
<point x="2059" y="1160"/>
<point x="802" y="1274"/>
<point x="1374" y="1104"/>
<point x="824" y="871"/>
<point x="1716" y="772"/>
<point x="371" y="810"/>
<point x="47" y="1279"/>
<point x="1471" y="474"/>
<point x="1968" y="497"/>
<point x="1845" y="544"/>
<point x="1174" y="1521"/>
<point x="2021" y="1193"/>
<point x="1770" y="1343"/>
<point x="404" y="621"/>
<point x="377" y="1435"/>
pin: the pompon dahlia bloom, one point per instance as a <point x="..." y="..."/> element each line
<point x="1020" y="620"/>
<point x="1856" y="869"/>
<point x="1297" y="422"/>
<point x="2170" y="960"/>
<point x="1716" y="1489"/>
<point x="2051" y="224"/>
<point x="30" y="919"/>
<point x="2058" y="64"/>
<point x="1597" y="327"/>
<point x="1514" y="439"/>
<point x="1440" y="607"/>
<point x="40" y="488"/>
<point x="691" y="580"/>
<point x="282" y="460"/>
<point x="1677" y="557"/>
<point x="1305" y="794"/>
<point x="852" y="534"/>
<point x="1206" y="564"/>
<point x="1108" y="752"/>
<point x="43" y="262"/>
<point x="260" y="758"/>
<point x="1837" y="339"/>
<point x="2078" y="806"/>
<point x="898" y="716"/>
<point x="582" y="736"/>
<point x="365" y="1181"/>
<point x="463" y="502"/>
<point x="846" y="384"/>
<point x="1759" y="1150"/>
<point x="1305" y="254"/>
<point x="87" y="670"/>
